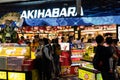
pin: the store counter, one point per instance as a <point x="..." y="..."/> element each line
<point x="87" y="72"/>
<point x="18" y="75"/>
<point x="15" y="62"/>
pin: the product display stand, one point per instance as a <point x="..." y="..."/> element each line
<point x="15" y="75"/>
<point x="87" y="72"/>
<point x="15" y="62"/>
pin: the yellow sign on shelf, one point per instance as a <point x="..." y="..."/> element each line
<point x="14" y="51"/>
<point x="32" y="55"/>
<point x="3" y="75"/>
<point x="86" y="75"/>
<point x="16" y="76"/>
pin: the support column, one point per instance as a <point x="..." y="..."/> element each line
<point x="79" y="8"/>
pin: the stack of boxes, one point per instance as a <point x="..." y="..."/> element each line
<point x="14" y="63"/>
<point x="27" y="65"/>
<point x="3" y="63"/>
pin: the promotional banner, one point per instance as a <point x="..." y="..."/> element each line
<point x="16" y="76"/>
<point x="60" y="13"/>
<point x="74" y="21"/>
<point x="3" y="75"/>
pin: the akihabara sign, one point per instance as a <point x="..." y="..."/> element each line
<point x="55" y="12"/>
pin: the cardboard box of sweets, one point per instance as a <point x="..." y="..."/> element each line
<point x="27" y="65"/>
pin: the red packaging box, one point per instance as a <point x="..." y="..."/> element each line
<point x="27" y="65"/>
<point x="29" y="61"/>
<point x="74" y="70"/>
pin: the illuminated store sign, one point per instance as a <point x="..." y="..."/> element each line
<point x="55" y="12"/>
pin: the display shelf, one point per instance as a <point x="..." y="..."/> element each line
<point x="12" y="49"/>
<point x="77" y="64"/>
<point x="86" y="64"/>
<point x="15" y="75"/>
<point x="13" y="57"/>
<point x="88" y="74"/>
<point x="80" y="56"/>
<point x="87" y="71"/>
<point x="76" y="55"/>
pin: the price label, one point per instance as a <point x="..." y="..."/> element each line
<point x="3" y="75"/>
<point x="16" y="76"/>
<point x="86" y="75"/>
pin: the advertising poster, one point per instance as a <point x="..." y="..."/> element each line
<point x="3" y="75"/>
<point x="16" y="76"/>
<point x="86" y="75"/>
<point x="65" y="46"/>
<point x="15" y="51"/>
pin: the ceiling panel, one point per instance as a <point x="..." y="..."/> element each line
<point x="101" y="7"/>
<point x="5" y="1"/>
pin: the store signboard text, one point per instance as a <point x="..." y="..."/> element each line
<point x="55" y="12"/>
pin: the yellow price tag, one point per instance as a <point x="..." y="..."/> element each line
<point x="86" y="75"/>
<point x="16" y="76"/>
<point x="3" y="75"/>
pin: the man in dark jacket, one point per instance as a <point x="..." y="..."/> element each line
<point x="99" y="52"/>
<point x="109" y="61"/>
<point x="101" y="59"/>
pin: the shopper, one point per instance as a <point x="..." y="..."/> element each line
<point x="117" y="62"/>
<point x="39" y="59"/>
<point x="47" y="60"/>
<point x="82" y="44"/>
<point x="115" y="45"/>
<point x="21" y="40"/>
<point x="99" y="53"/>
<point x="109" y="61"/>
<point x="33" y="46"/>
<point x="77" y="42"/>
<point x="27" y="40"/>
<point x="56" y="56"/>
<point x="102" y="58"/>
<point x="63" y="39"/>
<point x="70" y="41"/>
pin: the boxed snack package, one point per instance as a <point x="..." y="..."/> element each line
<point x="3" y="62"/>
<point x="27" y="65"/>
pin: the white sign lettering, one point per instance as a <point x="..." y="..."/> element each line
<point x="41" y="13"/>
<point x="48" y="13"/>
<point x="63" y="12"/>
<point x="55" y="12"/>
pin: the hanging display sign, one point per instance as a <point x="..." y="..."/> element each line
<point x="55" y="12"/>
<point x="58" y="14"/>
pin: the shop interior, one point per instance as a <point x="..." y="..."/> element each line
<point x="86" y="32"/>
<point x="77" y="56"/>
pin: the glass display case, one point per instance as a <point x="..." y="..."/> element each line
<point x="86" y="70"/>
<point x="76" y="56"/>
<point x="12" y="59"/>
